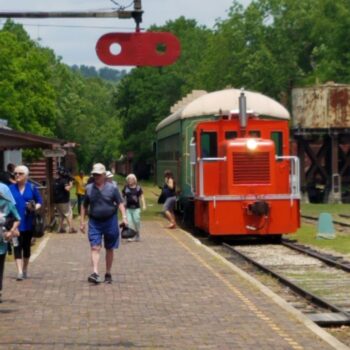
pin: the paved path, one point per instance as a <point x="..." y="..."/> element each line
<point x="168" y="293"/>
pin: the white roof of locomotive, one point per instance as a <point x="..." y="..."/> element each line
<point x="224" y="101"/>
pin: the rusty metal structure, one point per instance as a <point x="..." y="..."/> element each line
<point x="321" y="130"/>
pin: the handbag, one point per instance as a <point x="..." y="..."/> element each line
<point x="38" y="225"/>
<point x="162" y="197"/>
<point x="127" y="232"/>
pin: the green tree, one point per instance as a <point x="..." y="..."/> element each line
<point x="145" y="96"/>
<point x="87" y="116"/>
<point x="330" y="58"/>
<point x="26" y="92"/>
<point x="39" y="94"/>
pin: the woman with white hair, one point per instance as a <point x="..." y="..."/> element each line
<point x="28" y="200"/>
<point x="133" y="194"/>
<point x="110" y="178"/>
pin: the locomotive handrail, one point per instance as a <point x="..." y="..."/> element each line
<point x="201" y="161"/>
<point x="294" y="174"/>
<point x="294" y="180"/>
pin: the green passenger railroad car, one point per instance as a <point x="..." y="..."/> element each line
<point x="173" y="137"/>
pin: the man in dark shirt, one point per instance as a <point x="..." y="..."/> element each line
<point x="62" y="186"/>
<point x="101" y="202"/>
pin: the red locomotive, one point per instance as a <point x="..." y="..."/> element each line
<point x="236" y="170"/>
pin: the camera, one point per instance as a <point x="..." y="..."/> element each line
<point x="65" y="174"/>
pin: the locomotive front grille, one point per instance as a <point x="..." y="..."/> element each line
<point x="251" y="168"/>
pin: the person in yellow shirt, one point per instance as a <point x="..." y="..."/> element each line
<point x="80" y="181"/>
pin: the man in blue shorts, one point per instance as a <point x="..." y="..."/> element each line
<point x="101" y="202"/>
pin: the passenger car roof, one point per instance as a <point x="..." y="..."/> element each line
<point x="224" y="101"/>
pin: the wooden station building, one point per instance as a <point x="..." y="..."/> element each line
<point x="15" y="140"/>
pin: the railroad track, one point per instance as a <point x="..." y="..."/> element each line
<point x="329" y="259"/>
<point x="320" y="283"/>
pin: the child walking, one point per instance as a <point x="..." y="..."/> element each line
<point x="134" y="197"/>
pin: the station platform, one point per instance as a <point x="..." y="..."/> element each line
<point x="168" y="292"/>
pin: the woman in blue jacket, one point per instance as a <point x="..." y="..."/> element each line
<point x="28" y="200"/>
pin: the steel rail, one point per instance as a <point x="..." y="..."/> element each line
<point x="317" y="301"/>
<point x="345" y="266"/>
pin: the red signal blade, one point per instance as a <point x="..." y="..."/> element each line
<point x="139" y="49"/>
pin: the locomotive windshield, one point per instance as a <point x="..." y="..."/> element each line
<point x="230" y="135"/>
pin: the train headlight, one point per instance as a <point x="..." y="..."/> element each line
<point x="252" y="144"/>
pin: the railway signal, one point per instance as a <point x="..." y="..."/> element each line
<point x="137" y="48"/>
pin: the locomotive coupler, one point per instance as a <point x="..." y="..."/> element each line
<point x="258" y="208"/>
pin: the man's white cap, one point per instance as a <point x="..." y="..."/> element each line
<point x="109" y="174"/>
<point x="98" y="168"/>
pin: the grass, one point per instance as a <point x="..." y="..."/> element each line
<point x="307" y="234"/>
<point x="151" y="193"/>
<point x="316" y="209"/>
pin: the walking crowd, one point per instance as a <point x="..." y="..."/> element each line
<point x="98" y="199"/>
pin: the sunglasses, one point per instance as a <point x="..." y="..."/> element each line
<point x="18" y="174"/>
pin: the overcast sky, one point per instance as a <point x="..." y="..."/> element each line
<point x="75" y="39"/>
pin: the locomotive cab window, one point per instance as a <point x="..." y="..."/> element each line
<point x="230" y="135"/>
<point x="209" y="144"/>
<point x="277" y="138"/>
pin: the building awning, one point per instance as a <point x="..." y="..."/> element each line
<point x="11" y="139"/>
